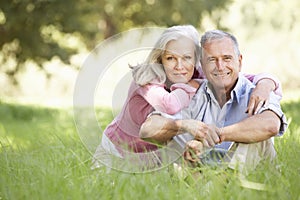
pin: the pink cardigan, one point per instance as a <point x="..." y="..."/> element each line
<point x="123" y="131"/>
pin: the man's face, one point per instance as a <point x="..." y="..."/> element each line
<point x="221" y="65"/>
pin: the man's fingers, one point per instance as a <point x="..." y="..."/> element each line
<point x="195" y="146"/>
<point x="210" y="141"/>
<point x="205" y="143"/>
<point x="193" y="150"/>
<point x="187" y="155"/>
<point x="215" y="136"/>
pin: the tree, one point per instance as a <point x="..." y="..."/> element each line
<point x="38" y="30"/>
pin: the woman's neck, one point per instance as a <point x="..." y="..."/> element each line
<point x="168" y="84"/>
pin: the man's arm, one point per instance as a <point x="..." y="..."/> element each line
<point x="160" y="129"/>
<point x="252" y="129"/>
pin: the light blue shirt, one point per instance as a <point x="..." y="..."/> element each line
<point x="204" y="107"/>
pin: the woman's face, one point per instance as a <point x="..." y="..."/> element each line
<point x="179" y="60"/>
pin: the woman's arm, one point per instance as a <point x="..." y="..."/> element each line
<point x="265" y="83"/>
<point x="159" y="129"/>
<point x="168" y="102"/>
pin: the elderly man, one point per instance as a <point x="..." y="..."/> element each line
<point x="216" y="116"/>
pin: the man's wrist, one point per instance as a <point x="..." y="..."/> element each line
<point x="223" y="134"/>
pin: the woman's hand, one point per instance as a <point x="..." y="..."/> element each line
<point x="260" y="96"/>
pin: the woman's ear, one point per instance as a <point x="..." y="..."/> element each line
<point x="159" y="60"/>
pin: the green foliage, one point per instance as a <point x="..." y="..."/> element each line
<point x="38" y="30"/>
<point x="24" y="21"/>
<point x="42" y="157"/>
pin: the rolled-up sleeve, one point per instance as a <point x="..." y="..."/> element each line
<point x="258" y="77"/>
<point x="274" y="105"/>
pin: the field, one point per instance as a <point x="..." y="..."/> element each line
<point x="42" y="157"/>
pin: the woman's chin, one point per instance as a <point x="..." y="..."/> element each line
<point x="180" y="80"/>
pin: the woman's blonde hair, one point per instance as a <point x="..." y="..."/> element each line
<point x="152" y="68"/>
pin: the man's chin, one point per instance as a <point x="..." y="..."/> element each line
<point x="219" y="84"/>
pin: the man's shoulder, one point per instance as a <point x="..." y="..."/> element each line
<point x="201" y="91"/>
<point x="244" y="85"/>
<point x="244" y="81"/>
<point x="200" y="98"/>
<point x="203" y="86"/>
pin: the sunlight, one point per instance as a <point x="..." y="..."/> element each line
<point x="264" y="49"/>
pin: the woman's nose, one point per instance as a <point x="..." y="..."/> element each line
<point x="179" y="64"/>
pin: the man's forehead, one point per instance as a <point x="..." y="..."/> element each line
<point x="218" y="41"/>
<point x="220" y="46"/>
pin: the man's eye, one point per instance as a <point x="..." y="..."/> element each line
<point x="227" y="59"/>
<point x="211" y="60"/>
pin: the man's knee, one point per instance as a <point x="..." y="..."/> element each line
<point x="248" y="156"/>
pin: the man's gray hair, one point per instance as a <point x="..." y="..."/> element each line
<point x="218" y="34"/>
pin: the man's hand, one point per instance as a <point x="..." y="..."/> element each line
<point x="260" y="96"/>
<point x="193" y="150"/>
<point x="207" y="134"/>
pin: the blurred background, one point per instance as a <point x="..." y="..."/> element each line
<point x="44" y="43"/>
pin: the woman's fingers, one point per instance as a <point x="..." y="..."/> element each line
<point x="259" y="106"/>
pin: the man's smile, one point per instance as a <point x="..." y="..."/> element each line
<point x="221" y="74"/>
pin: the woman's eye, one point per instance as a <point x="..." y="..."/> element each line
<point x="170" y="58"/>
<point x="187" y="57"/>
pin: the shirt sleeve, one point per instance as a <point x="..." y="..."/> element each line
<point x="274" y="105"/>
<point x="255" y="78"/>
<point x="164" y="101"/>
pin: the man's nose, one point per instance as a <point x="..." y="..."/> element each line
<point x="220" y="64"/>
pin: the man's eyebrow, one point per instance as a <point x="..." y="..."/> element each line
<point x="228" y="56"/>
<point x="210" y="57"/>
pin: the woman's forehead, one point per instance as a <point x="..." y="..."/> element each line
<point x="181" y="46"/>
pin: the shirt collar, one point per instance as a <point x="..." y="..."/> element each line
<point x="237" y="91"/>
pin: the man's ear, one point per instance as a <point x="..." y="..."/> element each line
<point x="240" y="62"/>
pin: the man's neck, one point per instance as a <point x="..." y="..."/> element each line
<point x="222" y="94"/>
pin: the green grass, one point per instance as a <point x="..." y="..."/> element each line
<point x="42" y="157"/>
